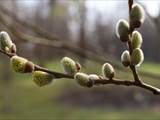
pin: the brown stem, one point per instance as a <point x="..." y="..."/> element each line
<point x="130" y="3"/>
<point x="8" y="54"/>
<point x="98" y="81"/>
<point x="56" y="74"/>
<point x="135" y="74"/>
<point x="132" y="67"/>
<point x="130" y="46"/>
<point x="115" y="81"/>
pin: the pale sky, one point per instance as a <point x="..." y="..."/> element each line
<point x="152" y="6"/>
<point x="108" y="9"/>
<point x="117" y="9"/>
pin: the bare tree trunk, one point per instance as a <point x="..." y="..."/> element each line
<point x="82" y="43"/>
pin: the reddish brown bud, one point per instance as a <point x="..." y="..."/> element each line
<point x="13" y="48"/>
<point x="78" y="66"/>
<point x="29" y="67"/>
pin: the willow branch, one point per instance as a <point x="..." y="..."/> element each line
<point x="59" y="44"/>
<point x="114" y="81"/>
<point x="137" y="82"/>
<point x="56" y="74"/>
<point x="132" y="67"/>
<point x="7" y="54"/>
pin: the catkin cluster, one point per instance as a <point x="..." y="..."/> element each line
<point x="73" y="68"/>
<point x="41" y="78"/>
<point x="132" y="58"/>
<point x="126" y="33"/>
<point x="20" y="64"/>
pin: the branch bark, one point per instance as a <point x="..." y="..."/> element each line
<point x="103" y="81"/>
<point x="58" y="43"/>
<point x="137" y="82"/>
<point x="132" y="67"/>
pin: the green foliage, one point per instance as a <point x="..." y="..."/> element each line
<point x="150" y="67"/>
<point x="30" y="102"/>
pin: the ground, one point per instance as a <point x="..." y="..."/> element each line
<point x="27" y="101"/>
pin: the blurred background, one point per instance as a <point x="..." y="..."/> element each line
<point x="47" y="30"/>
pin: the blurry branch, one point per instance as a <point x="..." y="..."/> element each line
<point x="37" y="29"/>
<point x="57" y="44"/>
<point x="49" y="41"/>
<point x="82" y="15"/>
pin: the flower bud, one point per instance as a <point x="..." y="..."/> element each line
<point x="83" y="79"/>
<point x="13" y="48"/>
<point x="21" y="65"/>
<point x="78" y="66"/>
<point x="70" y="66"/>
<point x="136" y="40"/>
<point x="122" y="30"/>
<point x="5" y="41"/>
<point x="42" y="78"/>
<point x="94" y="77"/>
<point x="125" y="58"/>
<point x="108" y="71"/>
<point x="137" y="57"/>
<point x="137" y="16"/>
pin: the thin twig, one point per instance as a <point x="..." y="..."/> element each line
<point x="103" y="81"/>
<point x="114" y="81"/>
<point x="8" y="54"/>
<point x="56" y="74"/>
<point x="132" y="67"/>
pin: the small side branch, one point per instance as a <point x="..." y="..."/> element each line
<point x="132" y="67"/>
<point x="7" y="54"/>
<point x="56" y="74"/>
<point x="154" y="90"/>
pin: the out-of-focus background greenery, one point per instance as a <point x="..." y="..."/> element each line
<point x="45" y="31"/>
